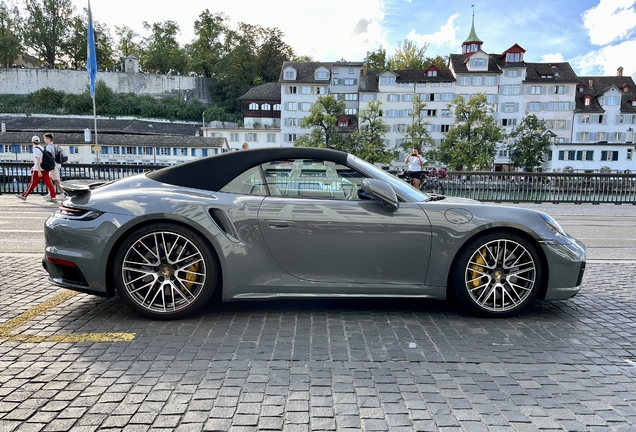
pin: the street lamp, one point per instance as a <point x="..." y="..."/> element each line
<point x="203" y="120"/>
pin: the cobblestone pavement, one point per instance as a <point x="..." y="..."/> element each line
<point x="345" y="365"/>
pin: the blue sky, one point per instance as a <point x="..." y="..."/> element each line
<point x="595" y="36"/>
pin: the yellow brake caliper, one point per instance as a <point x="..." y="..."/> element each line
<point x="476" y="274"/>
<point x="191" y="275"/>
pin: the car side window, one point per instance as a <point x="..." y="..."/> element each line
<point x="311" y="178"/>
<point x="249" y="182"/>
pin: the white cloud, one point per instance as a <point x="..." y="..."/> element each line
<point x="608" y="59"/>
<point x="610" y="20"/>
<point x="552" y="58"/>
<point x="445" y="37"/>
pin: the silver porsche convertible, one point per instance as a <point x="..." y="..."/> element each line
<point x="304" y="223"/>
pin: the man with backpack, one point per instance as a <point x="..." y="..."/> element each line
<point x="43" y="164"/>
<point x="60" y="157"/>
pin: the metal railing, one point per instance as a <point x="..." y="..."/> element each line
<point x="483" y="186"/>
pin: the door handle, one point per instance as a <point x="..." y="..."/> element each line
<point x="280" y="224"/>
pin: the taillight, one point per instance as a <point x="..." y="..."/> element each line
<point x="66" y="212"/>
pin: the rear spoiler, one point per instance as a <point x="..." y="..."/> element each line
<point x="80" y="186"/>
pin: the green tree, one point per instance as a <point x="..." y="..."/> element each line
<point x="206" y="49"/>
<point x="408" y="55"/>
<point x="529" y="141"/>
<point x="127" y="43"/>
<point x="75" y="52"/>
<point x="377" y="59"/>
<point x="47" y="28"/>
<point x="367" y="142"/>
<point x="272" y="52"/>
<point x="323" y="121"/>
<point x="302" y="58"/>
<point x="417" y="134"/>
<point x="10" y="40"/>
<point x="472" y="142"/>
<point x="162" y="52"/>
<point x="437" y="61"/>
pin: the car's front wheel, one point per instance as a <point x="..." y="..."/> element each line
<point x="165" y="271"/>
<point x="497" y="274"/>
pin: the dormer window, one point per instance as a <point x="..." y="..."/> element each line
<point x="479" y="62"/>
<point x="289" y="74"/>
<point x="625" y="88"/>
<point x="587" y="100"/>
<point x="581" y="88"/>
<point x="431" y="73"/>
<point x="547" y="76"/>
<point x="634" y="103"/>
<point x="322" y="75"/>
<point x="513" y="57"/>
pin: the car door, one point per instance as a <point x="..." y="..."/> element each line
<point x="318" y="229"/>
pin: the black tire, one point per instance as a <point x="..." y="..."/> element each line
<point x="497" y="274"/>
<point x="165" y="271"/>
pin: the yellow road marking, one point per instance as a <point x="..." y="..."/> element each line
<point x="23" y="318"/>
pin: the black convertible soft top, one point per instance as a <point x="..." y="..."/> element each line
<point x="214" y="172"/>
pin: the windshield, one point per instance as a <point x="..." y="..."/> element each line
<point x="401" y="187"/>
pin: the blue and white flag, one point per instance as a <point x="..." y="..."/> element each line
<point x="91" y="58"/>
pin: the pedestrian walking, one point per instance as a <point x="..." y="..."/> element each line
<point x="60" y="157"/>
<point x="42" y="160"/>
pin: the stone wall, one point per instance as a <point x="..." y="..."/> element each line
<point x="24" y="81"/>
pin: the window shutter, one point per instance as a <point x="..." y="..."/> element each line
<point x="395" y="128"/>
<point x="561" y="155"/>
<point x="527" y="106"/>
<point x="579" y="155"/>
<point x="618" y="118"/>
<point x="593" y="136"/>
<point x="568" y="124"/>
<point x="615" y="156"/>
<point x="578" y="136"/>
<point x="590" y="155"/>
<point x="516" y="106"/>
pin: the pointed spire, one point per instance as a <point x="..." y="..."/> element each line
<point x="472" y="37"/>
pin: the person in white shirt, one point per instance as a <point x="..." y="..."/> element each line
<point x="37" y="173"/>
<point x="415" y="161"/>
<point x="55" y="174"/>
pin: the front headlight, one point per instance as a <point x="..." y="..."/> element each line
<point x="553" y="225"/>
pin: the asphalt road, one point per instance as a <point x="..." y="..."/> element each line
<point x="608" y="231"/>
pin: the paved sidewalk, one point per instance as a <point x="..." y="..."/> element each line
<point x="82" y="363"/>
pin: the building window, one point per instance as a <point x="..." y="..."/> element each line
<point x="164" y="151"/>
<point x="509" y="122"/>
<point x="350" y="71"/>
<point x="343" y="122"/>
<point x="368" y="97"/>
<point x="491" y="80"/>
<point x="318" y="90"/>
<point x="305" y="90"/>
<point x="393" y="98"/>
<point x="588" y="100"/>
<point x="478" y="80"/>
<point x="387" y="80"/>
<point x="509" y="107"/>
<point x="629" y="154"/>
<point x="600" y="136"/>
<point x="444" y="128"/>
<point x="291" y="137"/>
<point x="618" y="136"/>
<point x="271" y="137"/>
<point x="567" y="155"/>
<point x="335" y="71"/>
<point x="254" y="106"/>
<point x="305" y="106"/>
<point x="322" y="75"/>
<point x="289" y="75"/>
<point x="509" y="89"/>
<point x="266" y="107"/>
<point x="609" y="155"/>
<point x="513" y="57"/>
<point x="512" y="73"/>
<point x="611" y="100"/>
<point x="560" y="89"/>
<point x="350" y="81"/>
<point x="291" y="121"/>
<point x="251" y="136"/>
<point x="291" y="89"/>
<point x="234" y="136"/>
<point x="407" y="98"/>
<point x="292" y="106"/>
<point x="431" y="73"/>
<point x="434" y="84"/>
<point x="584" y="136"/>
<point x="447" y="84"/>
<point x="585" y="118"/>
<point x="535" y="90"/>
<point x="351" y="111"/>
<point x="351" y="96"/>
<point x="479" y="62"/>
<point x="586" y="155"/>
<point x="445" y="112"/>
<point x="429" y="113"/>
<point x="463" y="81"/>
<point x="400" y="128"/>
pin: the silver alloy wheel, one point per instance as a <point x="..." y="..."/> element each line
<point x="500" y="275"/>
<point x="163" y="272"/>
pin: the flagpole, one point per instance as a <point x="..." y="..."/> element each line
<point x="91" y="66"/>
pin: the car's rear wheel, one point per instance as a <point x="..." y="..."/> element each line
<point x="497" y="274"/>
<point x="165" y="271"/>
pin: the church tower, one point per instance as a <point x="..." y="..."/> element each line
<point x="472" y="44"/>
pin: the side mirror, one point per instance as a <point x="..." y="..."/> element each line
<point x="381" y="191"/>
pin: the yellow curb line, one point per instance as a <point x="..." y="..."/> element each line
<point x="20" y="320"/>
